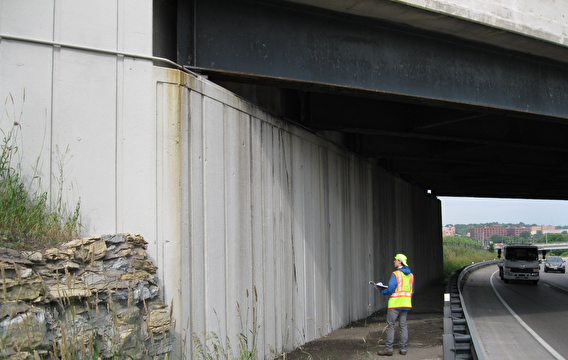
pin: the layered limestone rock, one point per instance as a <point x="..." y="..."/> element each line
<point x="90" y="298"/>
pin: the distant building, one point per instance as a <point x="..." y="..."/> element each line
<point x="543" y="228"/>
<point x="449" y="231"/>
<point x="483" y="234"/>
<point x="517" y="230"/>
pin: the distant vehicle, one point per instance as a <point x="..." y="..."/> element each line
<point x="554" y="263"/>
<point x="520" y="262"/>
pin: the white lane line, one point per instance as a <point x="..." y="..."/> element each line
<point x="556" y="287"/>
<point x="531" y="331"/>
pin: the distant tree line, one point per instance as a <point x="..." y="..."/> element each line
<point x="550" y="238"/>
<point x="523" y="238"/>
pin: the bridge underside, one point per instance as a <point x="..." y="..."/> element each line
<point x="451" y="115"/>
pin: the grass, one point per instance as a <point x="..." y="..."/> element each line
<point x="27" y="219"/>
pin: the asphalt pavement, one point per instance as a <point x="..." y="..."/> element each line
<point x="524" y="321"/>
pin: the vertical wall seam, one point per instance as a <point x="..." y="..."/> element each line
<point x="53" y="73"/>
<point x="203" y="208"/>
<point x="250" y="194"/>
<point x="116" y="143"/>
<point x="226" y="221"/>
<point x="116" y="120"/>
<point x="157" y="132"/>
<point x="186" y="267"/>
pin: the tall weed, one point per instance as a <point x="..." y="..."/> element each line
<point x="27" y="219"/>
<point x="209" y="346"/>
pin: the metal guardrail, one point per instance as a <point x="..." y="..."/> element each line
<point x="460" y="341"/>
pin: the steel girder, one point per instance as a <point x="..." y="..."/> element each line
<point x="283" y="41"/>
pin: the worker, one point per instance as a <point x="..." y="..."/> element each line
<point x="400" y="289"/>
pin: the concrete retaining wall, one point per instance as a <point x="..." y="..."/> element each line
<point x="270" y="209"/>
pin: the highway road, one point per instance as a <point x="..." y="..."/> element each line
<point x="518" y="320"/>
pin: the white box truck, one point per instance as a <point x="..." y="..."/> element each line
<point x="520" y="262"/>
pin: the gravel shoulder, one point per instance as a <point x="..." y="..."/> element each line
<point x="362" y="339"/>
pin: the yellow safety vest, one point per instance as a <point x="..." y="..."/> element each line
<point x="402" y="296"/>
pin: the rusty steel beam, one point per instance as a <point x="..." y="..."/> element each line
<point x="310" y="45"/>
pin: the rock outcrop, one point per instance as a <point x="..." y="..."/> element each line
<point x="91" y="298"/>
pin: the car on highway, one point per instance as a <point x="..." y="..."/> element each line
<point x="555" y="263"/>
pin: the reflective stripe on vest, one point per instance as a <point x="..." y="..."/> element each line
<point x="402" y="296"/>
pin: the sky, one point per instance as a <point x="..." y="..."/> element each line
<point x="478" y="211"/>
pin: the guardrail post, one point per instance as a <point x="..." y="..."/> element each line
<point x="448" y="337"/>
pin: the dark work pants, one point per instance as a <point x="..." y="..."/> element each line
<point x="392" y="316"/>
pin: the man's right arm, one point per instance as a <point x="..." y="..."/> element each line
<point x="392" y="286"/>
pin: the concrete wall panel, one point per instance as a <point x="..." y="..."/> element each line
<point x="93" y="130"/>
<point x="35" y="19"/>
<point x="215" y="227"/>
<point x="136" y="146"/>
<point x="168" y="154"/>
<point x="133" y="26"/>
<point x="195" y="259"/>
<point x="91" y="24"/>
<point x="25" y="92"/>
<point x="240" y="292"/>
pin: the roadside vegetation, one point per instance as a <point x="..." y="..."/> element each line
<point x="459" y="252"/>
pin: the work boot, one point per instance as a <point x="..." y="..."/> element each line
<point x="385" y="353"/>
<point x="402" y="352"/>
